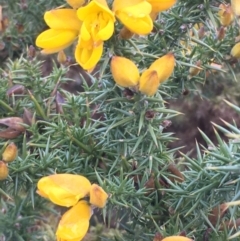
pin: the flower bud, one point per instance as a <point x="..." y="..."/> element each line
<point x="217" y="212"/>
<point x="61" y="57"/>
<point x="3" y="170"/>
<point x="235" y="52"/>
<point x="98" y="197"/>
<point x="9" y="133"/>
<point x="148" y="83"/>
<point x="31" y="52"/>
<point x="164" y="67"/>
<point x="13" y="123"/>
<point x="195" y="70"/>
<point x="125" y="33"/>
<point x="178" y="176"/>
<point x="201" y="32"/>
<point x="221" y="33"/>
<point x="158" y="237"/>
<point x="125" y="72"/>
<point x="10" y="153"/>
<point x="225" y="14"/>
<point x="16" y="90"/>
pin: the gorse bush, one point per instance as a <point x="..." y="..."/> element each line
<point x="105" y="130"/>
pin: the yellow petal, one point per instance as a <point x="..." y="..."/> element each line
<point x="177" y="238"/>
<point x="236" y="6"/>
<point x="98" y="21"/>
<point x="120" y="4"/>
<point x="53" y="50"/>
<point x="225" y="14"/>
<point x="161" y="5"/>
<point x="125" y="72"/>
<point x="75" y="222"/>
<point x="148" y="83"/>
<point x="106" y="31"/>
<point x="56" y="39"/>
<point x="63" y="19"/>
<point x="136" y="18"/>
<point x="10" y="153"/>
<point x="235" y="52"/>
<point x="64" y="189"/>
<point x="75" y="3"/>
<point x="136" y="25"/>
<point x="88" y="55"/>
<point x="98" y="197"/>
<point x="96" y="7"/>
<point x="164" y="66"/>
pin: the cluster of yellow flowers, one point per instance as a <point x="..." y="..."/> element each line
<point x="92" y="22"/>
<point x="69" y="190"/>
<point x="226" y="16"/>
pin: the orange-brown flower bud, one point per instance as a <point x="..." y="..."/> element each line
<point x="221" y="33"/>
<point x="61" y="57"/>
<point x="149" y="82"/>
<point x="195" y="70"/>
<point x="10" y="153"/>
<point x="225" y="14"/>
<point x="98" y="197"/>
<point x="201" y="32"/>
<point x="3" y="170"/>
<point x="164" y="67"/>
<point x="125" y="33"/>
<point x="174" y="170"/>
<point x="158" y="237"/>
<point x="124" y="71"/>
<point x="217" y="213"/>
<point x="235" y="52"/>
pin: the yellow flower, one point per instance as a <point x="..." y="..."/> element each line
<point x="75" y="3"/>
<point x="161" y="5"/>
<point x="74" y="224"/>
<point x="10" y="153"/>
<point x="164" y="67"/>
<point x="64" y="189"/>
<point x="98" y="197"/>
<point x="134" y="15"/>
<point x="98" y="21"/>
<point x="235" y="52"/>
<point x="125" y="72"/>
<point x="225" y="14"/>
<point x="64" y="29"/>
<point x="87" y="54"/>
<point x="148" y="83"/>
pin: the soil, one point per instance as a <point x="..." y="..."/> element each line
<point x="199" y="113"/>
